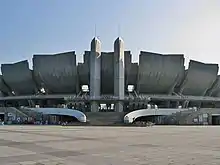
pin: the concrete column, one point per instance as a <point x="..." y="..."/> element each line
<point x="95" y="72"/>
<point x="168" y="104"/>
<point x="119" y="67"/>
<point x="177" y="104"/>
<point x="94" y="106"/>
<point x="119" y="106"/>
<point x="77" y="81"/>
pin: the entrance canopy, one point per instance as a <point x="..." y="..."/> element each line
<point x="61" y="111"/>
<point x="130" y="117"/>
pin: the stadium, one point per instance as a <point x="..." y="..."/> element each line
<point x="109" y="86"/>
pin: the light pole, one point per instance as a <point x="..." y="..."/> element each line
<point x="156" y="107"/>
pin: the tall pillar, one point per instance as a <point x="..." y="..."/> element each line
<point x="95" y="72"/>
<point x="119" y="73"/>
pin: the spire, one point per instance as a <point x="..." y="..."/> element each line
<point x="118" y="44"/>
<point x="95" y="44"/>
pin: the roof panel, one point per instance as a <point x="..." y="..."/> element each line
<point x="57" y="73"/>
<point x="199" y="78"/>
<point x="158" y="74"/>
<point x="19" y="78"/>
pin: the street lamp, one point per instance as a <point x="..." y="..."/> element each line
<point x="156" y="108"/>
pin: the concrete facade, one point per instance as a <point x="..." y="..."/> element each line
<point x="160" y="77"/>
<point x="191" y="115"/>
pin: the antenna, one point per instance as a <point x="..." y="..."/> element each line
<point x="119" y="30"/>
<point x="95" y="30"/>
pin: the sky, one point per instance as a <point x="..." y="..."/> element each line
<point x="189" y="27"/>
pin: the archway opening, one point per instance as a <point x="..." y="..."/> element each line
<point x="157" y="119"/>
<point x="69" y="119"/>
<point x="59" y="119"/>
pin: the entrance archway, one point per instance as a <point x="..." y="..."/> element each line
<point x="158" y="119"/>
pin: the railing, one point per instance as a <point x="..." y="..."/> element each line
<point x="30" y="112"/>
<point x="108" y="97"/>
<point x="14" y="111"/>
<point x="141" y="97"/>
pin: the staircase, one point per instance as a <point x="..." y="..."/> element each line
<point x="30" y="113"/>
<point x="14" y="111"/>
<point x="105" y="118"/>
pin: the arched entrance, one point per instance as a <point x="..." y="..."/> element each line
<point x="157" y="119"/>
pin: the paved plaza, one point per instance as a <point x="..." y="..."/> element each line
<point x="158" y="145"/>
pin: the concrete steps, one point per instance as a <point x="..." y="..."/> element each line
<point x="14" y="111"/>
<point x="29" y="112"/>
<point x="105" y="118"/>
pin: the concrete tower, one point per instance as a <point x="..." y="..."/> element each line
<point x="119" y="73"/>
<point x="95" y="72"/>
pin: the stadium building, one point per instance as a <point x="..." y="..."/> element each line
<point x="110" y="81"/>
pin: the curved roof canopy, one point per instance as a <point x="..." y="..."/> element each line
<point x="62" y="111"/>
<point x="130" y="117"/>
<point x="107" y="72"/>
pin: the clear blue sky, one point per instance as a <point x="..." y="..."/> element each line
<point x="30" y="27"/>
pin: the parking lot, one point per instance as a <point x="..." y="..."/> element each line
<point x="158" y="145"/>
